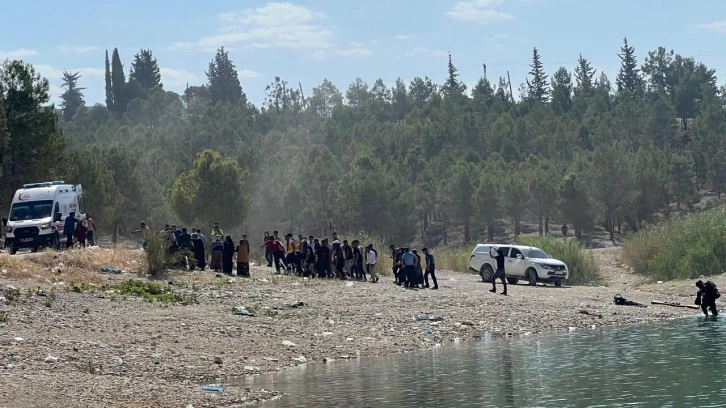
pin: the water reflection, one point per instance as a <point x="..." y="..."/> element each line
<point x="674" y="364"/>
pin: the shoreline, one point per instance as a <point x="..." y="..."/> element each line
<point x="167" y="351"/>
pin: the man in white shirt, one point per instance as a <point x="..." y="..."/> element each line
<point x="371" y="258"/>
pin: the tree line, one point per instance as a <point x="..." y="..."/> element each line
<point x="413" y="159"/>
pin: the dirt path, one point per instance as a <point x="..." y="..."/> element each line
<point x="96" y="348"/>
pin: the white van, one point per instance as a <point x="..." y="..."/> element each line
<point x="38" y="212"/>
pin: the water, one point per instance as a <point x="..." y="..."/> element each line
<point x="673" y="364"/>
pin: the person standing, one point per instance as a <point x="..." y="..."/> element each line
<point x="324" y="269"/>
<point x="69" y="228"/>
<point x="80" y="233"/>
<point x="706" y="297"/>
<point x="360" y="273"/>
<point x="371" y="258"/>
<point x="419" y="270"/>
<point x="227" y="255"/>
<point x="199" y="253"/>
<point x="216" y="230"/>
<point x="268" y="253"/>
<point x="499" y="273"/>
<point x="408" y="259"/>
<point x="91" y="229"/>
<point x="217" y="248"/>
<point x="243" y="257"/>
<point x="348" y="254"/>
<point x="430" y="269"/>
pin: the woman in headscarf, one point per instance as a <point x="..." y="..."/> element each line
<point x="227" y="255"/>
<point x="217" y="248"/>
<point x="198" y="253"/>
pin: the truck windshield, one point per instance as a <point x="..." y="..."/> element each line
<point x="31" y="210"/>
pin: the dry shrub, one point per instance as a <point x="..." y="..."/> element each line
<point x="80" y="265"/>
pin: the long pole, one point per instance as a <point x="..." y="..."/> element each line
<point x="511" y="94"/>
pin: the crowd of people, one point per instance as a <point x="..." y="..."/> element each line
<point x="79" y="231"/>
<point x="308" y="257"/>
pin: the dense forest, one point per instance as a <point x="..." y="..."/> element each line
<point x="573" y="147"/>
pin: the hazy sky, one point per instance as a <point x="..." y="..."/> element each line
<point x="307" y="41"/>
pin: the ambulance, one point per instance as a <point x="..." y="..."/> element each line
<point x="38" y="212"/>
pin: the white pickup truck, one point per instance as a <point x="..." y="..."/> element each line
<point x="520" y="262"/>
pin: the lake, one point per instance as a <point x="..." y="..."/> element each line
<point x="673" y="364"/>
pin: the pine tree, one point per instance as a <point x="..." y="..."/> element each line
<point x="118" y="84"/>
<point x="72" y="98"/>
<point x="224" y="84"/>
<point x="629" y="78"/>
<point x="145" y="70"/>
<point x="584" y="74"/>
<point x="561" y="91"/>
<point x="453" y="86"/>
<point x="537" y="88"/>
<point x="109" y="88"/>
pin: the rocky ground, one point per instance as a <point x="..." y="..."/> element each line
<point x="97" y="348"/>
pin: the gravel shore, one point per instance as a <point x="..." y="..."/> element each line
<point x="98" y="349"/>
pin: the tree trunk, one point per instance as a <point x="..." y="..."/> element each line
<point x="467" y="238"/>
<point x="547" y="225"/>
<point x="516" y="230"/>
<point x="114" y="235"/>
<point x="444" y="230"/>
<point x="540" y="225"/>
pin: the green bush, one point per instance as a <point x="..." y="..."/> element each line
<point x="581" y="265"/>
<point x="158" y="256"/>
<point x="153" y="292"/>
<point x="680" y="248"/>
<point x="454" y="258"/>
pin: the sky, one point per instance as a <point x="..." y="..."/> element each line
<point x="304" y="42"/>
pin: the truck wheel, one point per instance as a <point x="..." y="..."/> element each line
<point x="559" y="282"/>
<point x="12" y="250"/>
<point x="34" y="249"/>
<point x="512" y="281"/>
<point x="487" y="273"/>
<point x="532" y="275"/>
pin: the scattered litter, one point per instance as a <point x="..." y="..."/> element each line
<point x="571" y="328"/>
<point x="432" y="318"/>
<point x="19" y="339"/>
<point x="288" y="343"/>
<point x="327" y="334"/>
<point x="300" y="359"/>
<point x="231" y="280"/>
<point x="252" y="368"/>
<point x="295" y="305"/>
<point x="3" y="300"/>
<point x="4" y="271"/>
<point x="218" y="360"/>
<point x="51" y="359"/>
<point x="212" y="388"/>
<point x="349" y="339"/>
<point x="263" y="280"/>
<point x="190" y="406"/>
<point x="349" y="283"/>
<point x="457" y="340"/>
<point x="270" y="358"/>
<point x="428" y="332"/>
<point x="241" y="310"/>
<point x="659" y="282"/>
<point x="120" y="361"/>
<point x="487" y="335"/>
<point x="107" y="269"/>
<point x="437" y="345"/>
